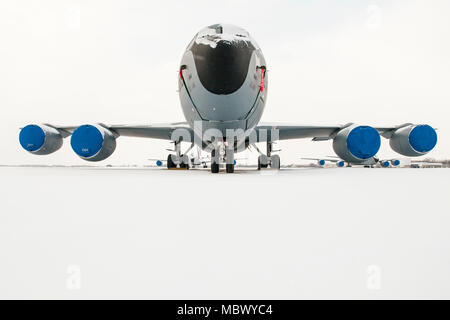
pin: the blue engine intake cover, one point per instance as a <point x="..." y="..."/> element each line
<point x="86" y="141"/>
<point x="423" y="138"/>
<point x="363" y="142"/>
<point x="32" y="137"/>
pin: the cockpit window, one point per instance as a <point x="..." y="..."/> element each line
<point x="222" y="65"/>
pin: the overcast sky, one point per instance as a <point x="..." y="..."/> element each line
<point x="330" y="62"/>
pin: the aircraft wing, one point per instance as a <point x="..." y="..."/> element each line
<point x="317" y="133"/>
<point x="155" y="131"/>
<point x="298" y="131"/>
<point x="285" y="131"/>
<point x="324" y="159"/>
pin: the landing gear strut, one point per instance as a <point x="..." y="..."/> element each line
<point x="229" y="159"/>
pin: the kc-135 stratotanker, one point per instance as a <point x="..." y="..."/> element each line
<point x="223" y="84"/>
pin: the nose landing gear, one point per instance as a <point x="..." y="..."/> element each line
<point x="215" y="160"/>
<point x="227" y="155"/>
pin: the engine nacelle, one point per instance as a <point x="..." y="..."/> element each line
<point x="385" y="164"/>
<point x="40" y="139"/>
<point x="356" y="144"/>
<point x="413" y="140"/>
<point x="340" y="164"/>
<point x="93" y="142"/>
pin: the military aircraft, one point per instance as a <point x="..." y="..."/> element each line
<point x="223" y="85"/>
<point x="384" y="163"/>
<point x="322" y="161"/>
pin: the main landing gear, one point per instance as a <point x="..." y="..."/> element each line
<point x="266" y="160"/>
<point x="178" y="160"/>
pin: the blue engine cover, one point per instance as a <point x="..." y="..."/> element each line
<point x="93" y="142"/>
<point x="32" y="137"/>
<point x="363" y="142"/>
<point x="423" y="138"/>
<point x="86" y="141"/>
<point x="413" y="140"/>
<point x="40" y="139"/>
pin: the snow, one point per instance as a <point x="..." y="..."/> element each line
<point x="153" y="233"/>
<point x="208" y="36"/>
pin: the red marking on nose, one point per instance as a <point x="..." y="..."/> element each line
<point x="262" y="80"/>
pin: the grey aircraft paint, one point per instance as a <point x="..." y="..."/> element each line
<point x="223" y="79"/>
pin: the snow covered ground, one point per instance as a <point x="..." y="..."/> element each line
<point x="153" y="233"/>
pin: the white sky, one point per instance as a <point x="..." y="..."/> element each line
<point x="330" y="62"/>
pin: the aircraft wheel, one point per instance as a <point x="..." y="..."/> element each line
<point x="214" y="164"/>
<point x="184" y="162"/>
<point x="230" y="168"/>
<point x="170" y="163"/>
<point x="262" y="162"/>
<point x="275" y="162"/>
<point x="214" y="168"/>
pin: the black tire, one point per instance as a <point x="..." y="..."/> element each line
<point x="214" y="167"/>
<point x="184" y="162"/>
<point x="214" y="164"/>
<point x="262" y="162"/>
<point x="170" y="163"/>
<point x="230" y="168"/>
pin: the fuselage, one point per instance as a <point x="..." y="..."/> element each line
<point x="223" y="79"/>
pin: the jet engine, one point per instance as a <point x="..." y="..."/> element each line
<point x="40" y="139"/>
<point x="413" y="140"/>
<point x="385" y="164"/>
<point x="356" y="144"/>
<point x="340" y="164"/>
<point x="93" y="142"/>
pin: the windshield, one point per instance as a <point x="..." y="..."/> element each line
<point x="222" y="68"/>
